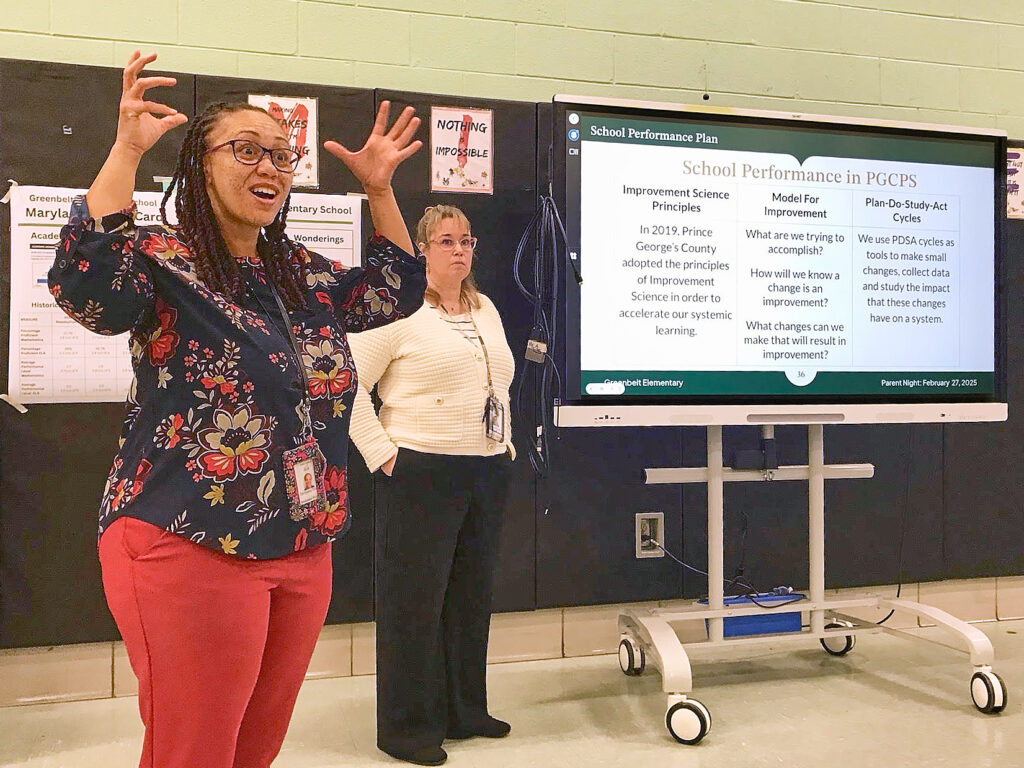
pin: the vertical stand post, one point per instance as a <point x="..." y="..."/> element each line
<point x="652" y="631"/>
<point x="816" y="522"/>
<point x="716" y="531"/>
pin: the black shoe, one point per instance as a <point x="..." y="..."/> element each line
<point x="491" y="728"/>
<point x="421" y="756"/>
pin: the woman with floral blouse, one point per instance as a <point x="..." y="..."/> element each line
<point x="230" y="480"/>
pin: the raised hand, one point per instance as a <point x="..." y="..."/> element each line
<point x="138" y="127"/>
<point x="375" y="163"/>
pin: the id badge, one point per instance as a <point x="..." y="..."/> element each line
<point x="494" y="420"/>
<point x="304" y="480"/>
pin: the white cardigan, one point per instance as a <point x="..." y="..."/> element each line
<point x="432" y="381"/>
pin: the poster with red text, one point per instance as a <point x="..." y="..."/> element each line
<point x="298" y="117"/>
<point x="461" y="150"/>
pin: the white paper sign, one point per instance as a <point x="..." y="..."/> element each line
<point x="298" y="117"/>
<point x="327" y="224"/>
<point x="461" y="150"/>
<point x="52" y="358"/>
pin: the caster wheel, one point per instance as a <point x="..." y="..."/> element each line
<point x="838" y="645"/>
<point x="688" y="721"/>
<point x="988" y="692"/>
<point x="632" y="659"/>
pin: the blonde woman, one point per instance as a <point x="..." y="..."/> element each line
<point x="443" y="440"/>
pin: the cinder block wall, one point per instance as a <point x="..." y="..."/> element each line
<point x="947" y="61"/>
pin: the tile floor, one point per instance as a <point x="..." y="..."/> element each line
<point x="889" y="703"/>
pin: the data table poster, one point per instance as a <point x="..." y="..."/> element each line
<point x="53" y="359"/>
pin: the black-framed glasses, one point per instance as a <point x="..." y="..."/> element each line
<point x="248" y="152"/>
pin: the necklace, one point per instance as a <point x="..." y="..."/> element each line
<point x="457" y="310"/>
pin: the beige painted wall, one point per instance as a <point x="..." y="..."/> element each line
<point x="947" y="61"/>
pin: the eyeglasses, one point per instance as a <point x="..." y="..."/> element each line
<point x="448" y="244"/>
<point x="250" y="153"/>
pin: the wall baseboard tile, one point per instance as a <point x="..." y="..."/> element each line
<point x="525" y="636"/>
<point x="967" y="599"/>
<point x="1009" y="597"/>
<point x="364" y="649"/>
<point x="899" y="620"/>
<point x="56" y="673"/>
<point x="593" y="630"/>
<point x="101" y="670"/>
<point x="125" y="682"/>
<point x="333" y="654"/>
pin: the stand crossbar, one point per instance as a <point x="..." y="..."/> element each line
<point x="647" y="636"/>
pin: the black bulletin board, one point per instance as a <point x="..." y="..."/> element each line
<point x="983" y="464"/>
<point x="952" y="491"/>
<point x="863" y="518"/>
<point x="586" y="506"/>
<point x="57" y="123"/>
<point x="945" y="502"/>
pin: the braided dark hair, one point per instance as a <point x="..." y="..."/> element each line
<point x="214" y="264"/>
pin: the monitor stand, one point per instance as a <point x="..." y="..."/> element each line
<point x="647" y="638"/>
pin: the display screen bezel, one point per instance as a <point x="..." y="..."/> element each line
<point x="565" y="185"/>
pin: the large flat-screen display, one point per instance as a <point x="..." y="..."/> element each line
<point x="753" y="257"/>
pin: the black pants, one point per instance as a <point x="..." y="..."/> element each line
<point x="438" y="544"/>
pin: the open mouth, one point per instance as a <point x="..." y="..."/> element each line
<point x="266" y="194"/>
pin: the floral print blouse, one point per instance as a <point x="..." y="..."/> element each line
<point x="216" y="398"/>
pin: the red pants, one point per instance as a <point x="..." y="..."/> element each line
<point x="220" y="645"/>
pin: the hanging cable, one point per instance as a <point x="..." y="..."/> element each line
<point x="541" y="288"/>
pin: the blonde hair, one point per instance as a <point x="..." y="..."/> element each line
<point x="432" y="217"/>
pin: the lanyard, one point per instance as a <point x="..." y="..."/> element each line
<point x="307" y="426"/>
<point x="291" y="337"/>
<point x="487" y="359"/>
<point x="494" y="411"/>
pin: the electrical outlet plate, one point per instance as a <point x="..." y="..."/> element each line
<point x="649" y="524"/>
